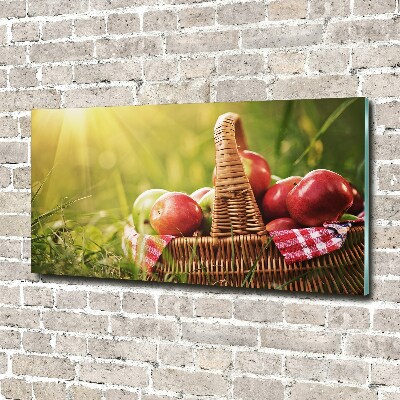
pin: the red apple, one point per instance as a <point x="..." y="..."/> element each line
<point x="358" y="201"/>
<point x="274" y="201"/>
<point x="257" y="171"/>
<point x="321" y="196"/>
<point x="281" y="224"/>
<point x="199" y="193"/>
<point x="176" y="214"/>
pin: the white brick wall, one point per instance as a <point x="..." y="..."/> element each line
<point x="64" y="338"/>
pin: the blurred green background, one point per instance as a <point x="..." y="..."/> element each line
<point x="101" y="159"/>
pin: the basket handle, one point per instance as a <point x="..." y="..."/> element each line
<point x="235" y="209"/>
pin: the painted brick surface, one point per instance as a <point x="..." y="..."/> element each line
<point x="66" y="338"/>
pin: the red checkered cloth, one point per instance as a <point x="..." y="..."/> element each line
<point x="143" y="250"/>
<point x="304" y="244"/>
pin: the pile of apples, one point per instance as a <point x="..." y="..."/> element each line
<point x="294" y="202"/>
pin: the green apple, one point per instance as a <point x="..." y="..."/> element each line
<point x="141" y="210"/>
<point x="207" y="204"/>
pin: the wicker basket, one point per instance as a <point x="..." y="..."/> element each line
<point x="239" y="252"/>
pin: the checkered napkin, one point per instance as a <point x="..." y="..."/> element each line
<point x="143" y="250"/>
<point x="303" y="244"/>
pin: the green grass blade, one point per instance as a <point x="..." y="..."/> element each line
<point x="41" y="185"/>
<point x="329" y="121"/>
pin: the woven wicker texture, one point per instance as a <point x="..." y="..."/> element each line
<point x="235" y="208"/>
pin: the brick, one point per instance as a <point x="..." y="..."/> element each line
<point x="25" y="31"/>
<point x="197" y="68"/>
<point x="115" y="374"/>
<point x="108" y="72"/>
<point x="257" y="389"/>
<point x="258" y="310"/>
<point x="175" y="355"/>
<point x="74" y="322"/>
<point x="311" y="87"/>
<point x="194" y="383"/>
<point x="385" y="263"/>
<point x="11" y="271"/>
<point x="190" y="17"/>
<point x="139" y="303"/>
<point x="128" y="47"/>
<point x="120" y="394"/>
<point x="213" y="308"/>
<point x="53" y="75"/>
<point x="48" y="367"/>
<point x="13" y="202"/>
<point x="286" y="62"/>
<point x="10" y="339"/>
<point x="346" y="371"/>
<point x="241" y="13"/>
<point x="390" y="396"/>
<point x="376" y="57"/>
<point x="307" y="368"/>
<point x="16" y="389"/>
<point x="348" y="317"/>
<point x="37" y="342"/>
<point x="388" y="114"/>
<point x="22" y="178"/>
<point x="159" y="21"/>
<point x="13" y="152"/>
<point x="385" y="207"/>
<point x="28" y="99"/>
<point x="3" y="78"/>
<point x="296" y="340"/>
<point x="56" y="30"/>
<point x="119" y="24"/>
<point x="241" y="90"/>
<point x="10" y="295"/>
<point x="38" y="296"/>
<point x="316" y="391"/>
<point x="158" y="69"/>
<point x="386" y="320"/>
<point x="329" y="61"/>
<point x="362" y="7"/>
<point x="282" y="36"/>
<point x="12" y="8"/>
<point x="385" y="374"/>
<point x="53" y="8"/>
<point x="49" y="390"/>
<point x="228" y="335"/>
<point x="200" y="42"/>
<point x="10" y="248"/>
<point x="25" y="125"/>
<point x="82" y="392"/>
<point x="8" y="127"/>
<point x="97" y="97"/>
<point x="281" y="10"/>
<point x="382" y="85"/>
<point x="123" y="349"/>
<point x="214" y="359"/>
<point x="71" y="345"/>
<point x="194" y="91"/>
<point x="241" y="64"/>
<point x="386" y="290"/>
<point x="114" y="4"/>
<point x="104" y="301"/>
<point x="372" y="346"/>
<point x="15" y="225"/>
<point x="386" y="237"/>
<point x="144" y="328"/>
<point x="5" y="177"/>
<point x="329" y="8"/>
<point x="3" y="363"/>
<point x="383" y="147"/>
<point x="26" y="248"/>
<point x="258" y="363"/>
<point x="12" y="55"/>
<point x="63" y="51"/>
<point x="305" y="314"/>
<point x="156" y="397"/>
<point x="389" y="177"/>
<point x="362" y="31"/>
<point x="71" y="299"/>
<point x="94" y="26"/>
